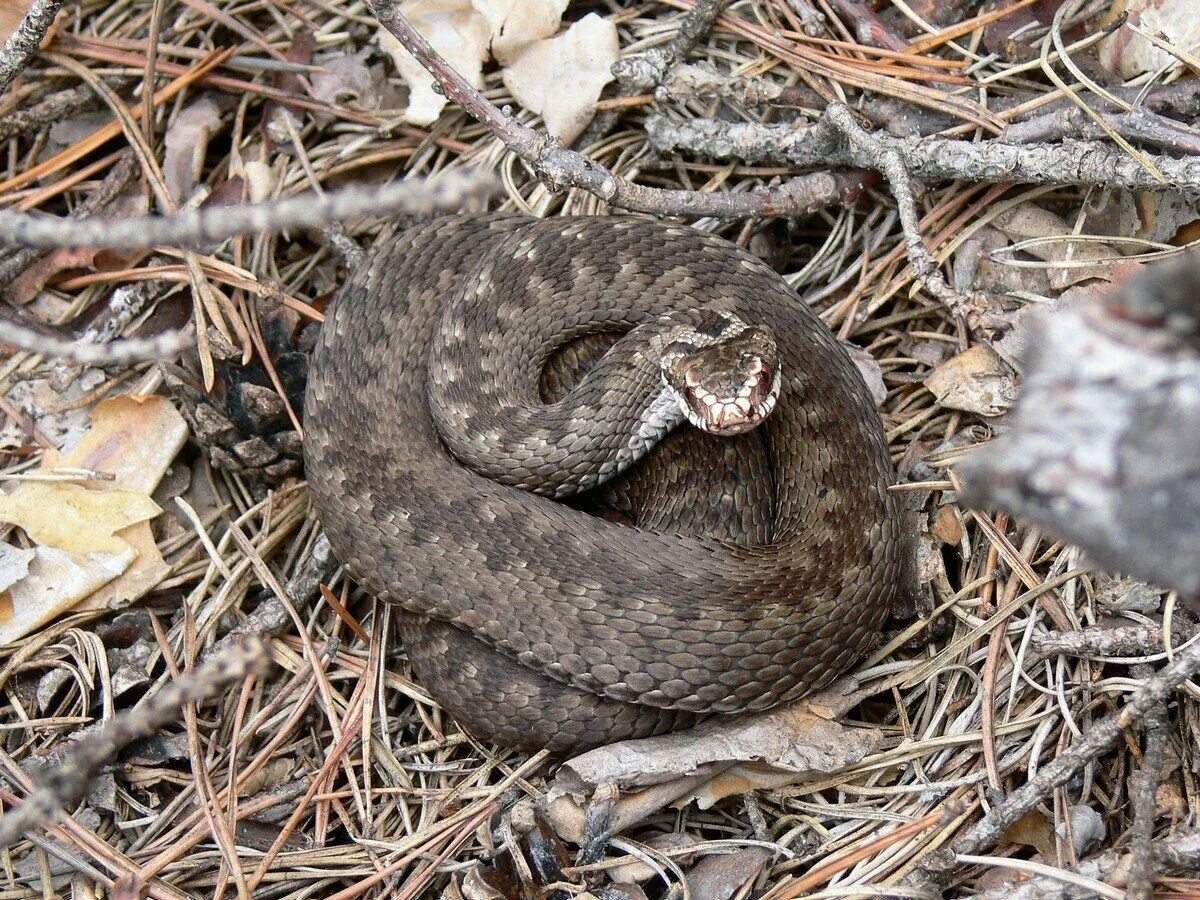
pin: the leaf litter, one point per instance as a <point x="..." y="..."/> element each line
<point x="336" y="759"/>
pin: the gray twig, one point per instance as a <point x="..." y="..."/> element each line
<point x="1143" y="791"/>
<point x="887" y="160"/>
<point x="927" y="159"/>
<point x="449" y="192"/>
<point x="1119" y="640"/>
<point x="560" y="168"/>
<point x="1096" y="741"/>
<point x="643" y="73"/>
<point x="114" y="182"/>
<point x="24" y="43"/>
<point x="123" y="352"/>
<point x="68" y="782"/>
<point x="52" y="109"/>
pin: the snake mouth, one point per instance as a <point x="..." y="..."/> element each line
<point x="732" y="415"/>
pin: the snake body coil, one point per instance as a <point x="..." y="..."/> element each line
<point x="537" y="624"/>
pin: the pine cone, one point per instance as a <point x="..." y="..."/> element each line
<point x="244" y="424"/>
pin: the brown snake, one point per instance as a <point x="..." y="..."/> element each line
<point x="537" y="624"/>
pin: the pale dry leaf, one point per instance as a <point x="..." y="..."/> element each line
<point x="55" y="582"/>
<point x="561" y="78"/>
<point x="134" y="439"/>
<point x="14" y="565"/>
<point x="1129" y="54"/>
<point x="718" y="758"/>
<point x="976" y="381"/>
<point x="1072" y="261"/>
<point x="131" y="438"/>
<point x="73" y="518"/>
<point x="185" y="144"/>
<point x="868" y="368"/>
<point x="458" y="32"/>
<point x="345" y="78"/>
<point x="515" y="24"/>
<point x="261" y="180"/>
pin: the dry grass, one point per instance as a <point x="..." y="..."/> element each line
<point x="334" y="774"/>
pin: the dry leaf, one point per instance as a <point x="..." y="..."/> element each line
<point x="30" y="282"/>
<point x="458" y="32"/>
<point x="74" y="519"/>
<point x="718" y="758"/>
<point x="261" y="181"/>
<point x="561" y="78"/>
<point x="977" y="381"/>
<point x="1128" y="54"/>
<point x="1075" y="261"/>
<point x="347" y="79"/>
<point x="515" y="24"/>
<point x="134" y="439"/>
<point x="721" y="876"/>
<point x="868" y="368"/>
<point x="56" y="582"/>
<point x="185" y="144"/>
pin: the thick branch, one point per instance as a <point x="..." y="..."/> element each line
<point x="1102" y="450"/>
<point x="927" y="159"/>
<point x="449" y="192"/>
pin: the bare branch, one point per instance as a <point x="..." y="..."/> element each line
<point x="24" y="43"/>
<point x="1120" y="640"/>
<point x="1143" y="790"/>
<point x="887" y="160"/>
<point x="643" y="73"/>
<point x="449" y="192"/>
<point x="927" y="159"/>
<point x="561" y="168"/>
<point x="124" y="352"/>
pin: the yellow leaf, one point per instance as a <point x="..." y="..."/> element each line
<point x="74" y="519"/>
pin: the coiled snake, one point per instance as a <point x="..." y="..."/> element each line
<point x="531" y="621"/>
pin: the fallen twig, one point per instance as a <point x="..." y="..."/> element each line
<point x="1090" y="163"/>
<point x="125" y="351"/>
<point x="1143" y="792"/>
<point x="450" y="192"/>
<point x="640" y="74"/>
<point x="887" y="160"/>
<point x="1119" y="640"/>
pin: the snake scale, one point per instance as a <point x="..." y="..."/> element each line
<point x="531" y="621"/>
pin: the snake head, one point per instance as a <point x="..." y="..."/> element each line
<point x="725" y="374"/>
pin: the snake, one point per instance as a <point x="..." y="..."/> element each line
<point x="454" y="483"/>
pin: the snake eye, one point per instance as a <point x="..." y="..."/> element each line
<point x="692" y="377"/>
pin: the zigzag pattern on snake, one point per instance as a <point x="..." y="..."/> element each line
<point x="536" y="623"/>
